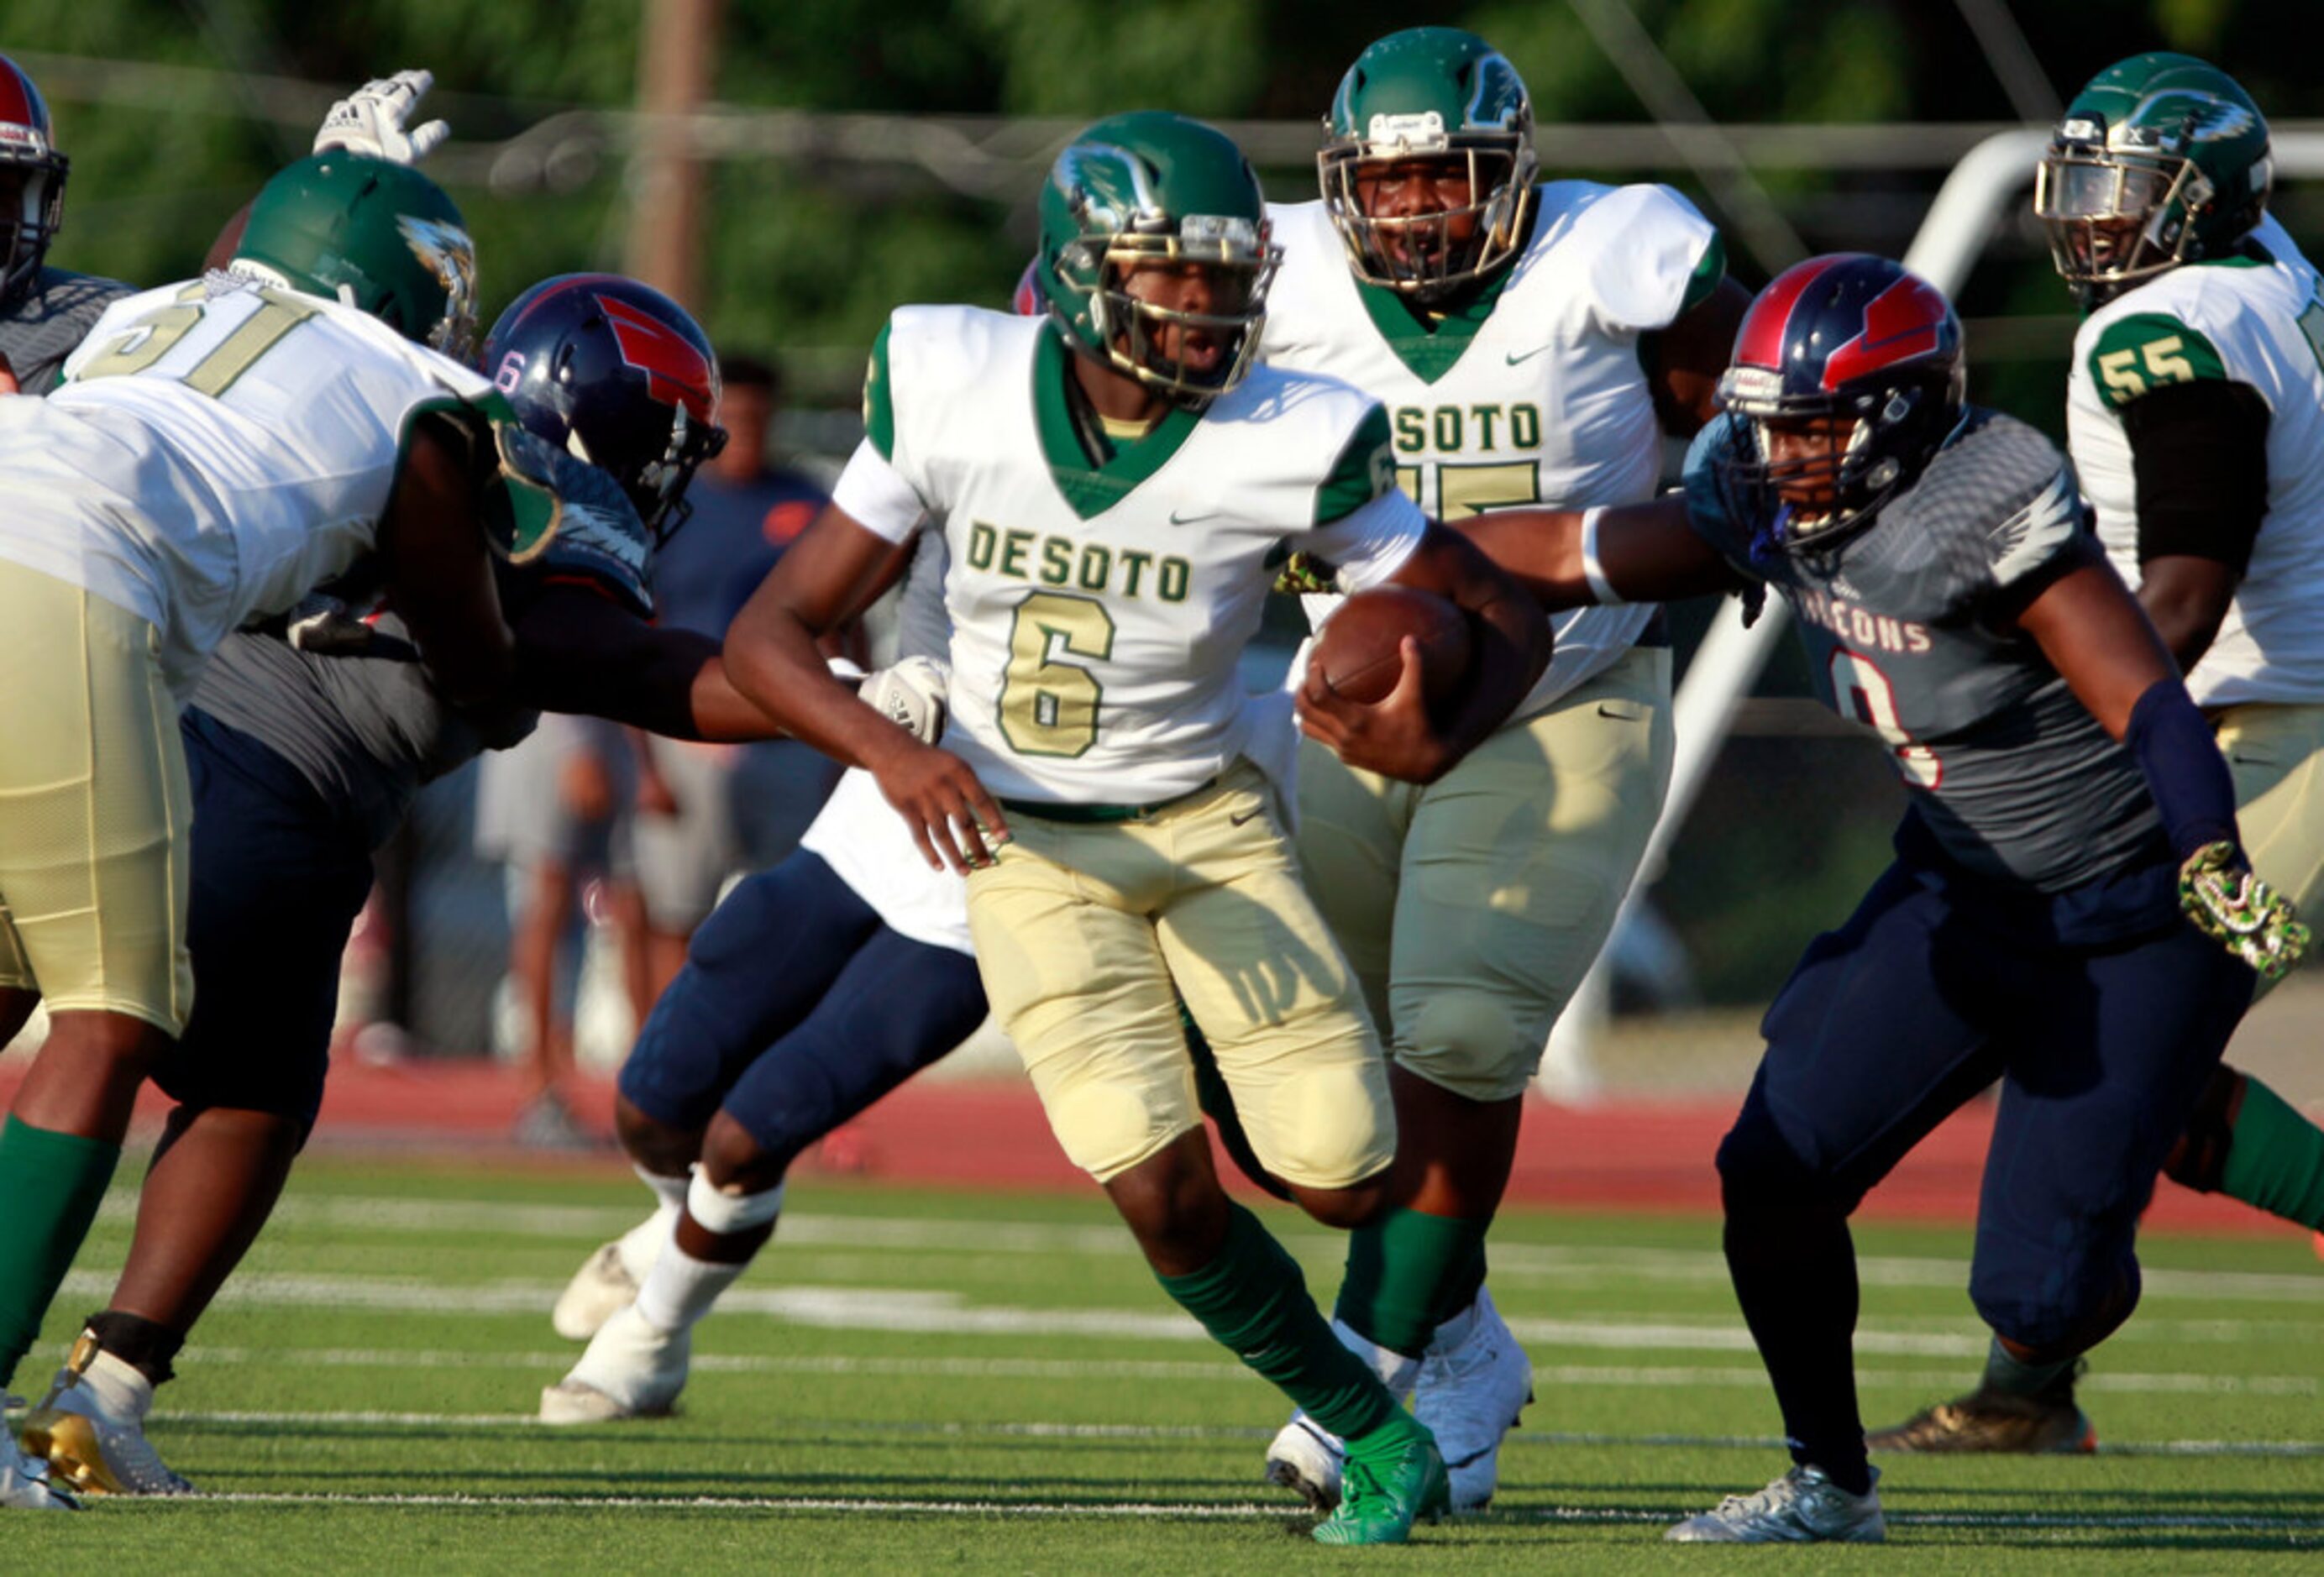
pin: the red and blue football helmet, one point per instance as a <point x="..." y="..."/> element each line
<point x="28" y="143"/>
<point x="615" y="373"/>
<point x="1857" y="339"/>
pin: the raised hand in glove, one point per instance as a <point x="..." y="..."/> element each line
<point x="374" y="120"/>
<point x="2236" y="909"/>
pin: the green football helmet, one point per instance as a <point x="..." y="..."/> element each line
<point x="375" y="235"/>
<point x="1430" y="92"/>
<point x="1155" y="189"/>
<point x="2161" y="160"/>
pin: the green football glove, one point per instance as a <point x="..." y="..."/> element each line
<point x="1303" y="574"/>
<point x="2236" y="909"/>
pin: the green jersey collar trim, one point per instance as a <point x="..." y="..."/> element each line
<point x="1426" y="342"/>
<point x="1091" y="488"/>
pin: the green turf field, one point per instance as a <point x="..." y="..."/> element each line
<point x="912" y="1381"/>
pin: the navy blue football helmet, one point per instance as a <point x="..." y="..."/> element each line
<point x="1869" y="351"/>
<point x="28" y="148"/>
<point x="617" y="374"/>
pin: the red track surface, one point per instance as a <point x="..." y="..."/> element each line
<point x="1633" y="1156"/>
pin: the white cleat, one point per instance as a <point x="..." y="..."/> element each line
<point x="1473" y="1383"/>
<point x="1305" y="1458"/>
<point x="632" y="1370"/>
<point x="1802" y="1507"/>
<point x="601" y="1285"/>
<point x="90" y="1428"/>
<point x="24" y="1481"/>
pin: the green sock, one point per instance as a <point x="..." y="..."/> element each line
<point x="2275" y="1161"/>
<point x="1403" y="1271"/>
<point x="2012" y="1376"/>
<point x="51" y="1183"/>
<point x="1253" y="1300"/>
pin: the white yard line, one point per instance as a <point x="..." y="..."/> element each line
<point x="1608" y="1516"/>
<point x="1525" y="1443"/>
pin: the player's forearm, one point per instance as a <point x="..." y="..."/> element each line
<point x="771" y="662"/>
<point x="1540" y="549"/>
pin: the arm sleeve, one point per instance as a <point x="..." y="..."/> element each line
<point x="2184" y="771"/>
<point x="2198" y="455"/>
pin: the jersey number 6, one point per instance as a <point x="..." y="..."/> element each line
<point x="1049" y="708"/>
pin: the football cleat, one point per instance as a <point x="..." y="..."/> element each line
<point x="1305" y="1458"/>
<point x="632" y="1370"/>
<point x="1473" y="1383"/>
<point x="90" y="1428"/>
<point x="24" y="1481"/>
<point x="1991" y="1421"/>
<point x="600" y="1286"/>
<point x="1802" y="1507"/>
<point x="1380" y="1501"/>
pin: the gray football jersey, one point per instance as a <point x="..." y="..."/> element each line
<point x="366" y="730"/>
<point x="1910" y="632"/>
<point x="55" y="315"/>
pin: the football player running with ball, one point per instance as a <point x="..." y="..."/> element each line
<point x="2070" y="817"/>
<point x="2195" y="416"/>
<point x="1533" y="341"/>
<point x="1117" y="484"/>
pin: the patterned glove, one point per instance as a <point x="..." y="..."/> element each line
<point x="1304" y="574"/>
<point x="910" y="695"/>
<point x="2236" y="909"/>
<point x="371" y="120"/>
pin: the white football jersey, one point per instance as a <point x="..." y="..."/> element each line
<point x="1097" y="612"/>
<point x="2260" y="323"/>
<point x="217" y="448"/>
<point x="1535" y="395"/>
<point x="859" y="835"/>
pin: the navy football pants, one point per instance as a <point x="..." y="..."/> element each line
<point x="1887" y="1027"/>
<point x="798" y="1009"/>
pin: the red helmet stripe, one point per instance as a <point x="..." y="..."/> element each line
<point x="1901" y="322"/>
<point x="19" y="105"/>
<point x="675" y="370"/>
<point x="1760" y="341"/>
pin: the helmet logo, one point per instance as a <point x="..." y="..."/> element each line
<point x="446" y="252"/>
<point x="1901" y="322"/>
<point x="2219" y="121"/>
<point x="1094" y="175"/>
<point x="676" y="372"/>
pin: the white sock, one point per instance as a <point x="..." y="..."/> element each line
<point x="680" y="1288"/>
<point x="643" y="1242"/>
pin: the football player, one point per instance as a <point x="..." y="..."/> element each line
<point x="1533" y="340"/>
<point x="811" y="991"/>
<point x="308" y="739"/>
<point x="216" y="448"/>
<point x="44" y="311"/>
<point x="2195" y="418"/>
<point x="2069" y="816"/>
<point x="1117" y="484"/>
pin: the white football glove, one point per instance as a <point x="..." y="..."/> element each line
<point x="910" y="695"/>
<point x="371" y="120"/>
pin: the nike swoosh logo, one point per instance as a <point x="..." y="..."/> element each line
<point x="1234" y="820"/>
<point x="1179" y="519"/>
<point x="1514" y="358"/>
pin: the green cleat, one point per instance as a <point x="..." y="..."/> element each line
<point x="1387" y="1488"/>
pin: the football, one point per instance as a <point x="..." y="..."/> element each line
<point x="1358" y="651"/>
